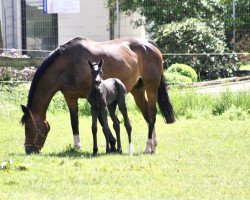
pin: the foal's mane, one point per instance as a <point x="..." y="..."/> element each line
<point x="38" y="74"/>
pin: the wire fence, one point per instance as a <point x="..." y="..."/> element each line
<point x="25" y="26"/>
<point x="26" y="30"/>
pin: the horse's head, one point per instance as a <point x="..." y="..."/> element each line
<point x="96" y="71"/>
<point x="36" y="131"/>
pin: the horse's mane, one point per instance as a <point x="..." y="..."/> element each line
<point x="153" y="43"/>
<point x="38" y="74"/>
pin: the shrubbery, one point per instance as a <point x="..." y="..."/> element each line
<point x="196" y="36"/>
<point x="183" y="70"/>
<point x="175" y="78"/>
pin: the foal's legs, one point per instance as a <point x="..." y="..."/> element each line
<point x="112" y="140"/>
<point x="123" y="109"/>
<point x="116" y="124"/>
<point x="73" y="109"/>
<point x="105" y="127"/>
<point x="94" y="114"/>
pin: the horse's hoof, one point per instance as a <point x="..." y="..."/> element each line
<point x="153" y="152"/>
<point x="77" y="147"/>
<point x="148" y="151"/>
<point x="120" y="151"/>
<point x="113" y="150"/>
<point x="149" y="147"/>
<point x="108" y="151"/>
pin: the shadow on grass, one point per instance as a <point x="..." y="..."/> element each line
<point x="72" y="153"/>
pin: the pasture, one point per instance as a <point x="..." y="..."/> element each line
<point x="199" y="157"/>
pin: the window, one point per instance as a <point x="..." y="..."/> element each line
<point x="39" y="30"/>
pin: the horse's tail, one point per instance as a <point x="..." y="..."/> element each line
<point x="164" y="102"/>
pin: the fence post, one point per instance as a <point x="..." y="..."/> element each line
<point x="118" y="18"/>
<point x="233" y="5"/>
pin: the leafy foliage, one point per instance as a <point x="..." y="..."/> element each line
<point x="195" y="36"/>
<point x="184" y="70"/>
<point x="242" y="25"/>
<point x="212" y="18"/>
<point x="175" y="78"/>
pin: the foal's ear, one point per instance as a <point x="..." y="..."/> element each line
<point x="24" y="109"/>
<point x="100" y="63"/>
<point x="90" y="63"/>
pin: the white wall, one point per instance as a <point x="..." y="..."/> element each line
<point x="93" y="22"/>
<point x="127" y="28"/>
<point x="11" y="24"/>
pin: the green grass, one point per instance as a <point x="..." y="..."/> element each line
<point x="199" y="158"/>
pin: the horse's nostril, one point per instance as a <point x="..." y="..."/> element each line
<point x="32" y="149"/>
<point x="29" y="150"/>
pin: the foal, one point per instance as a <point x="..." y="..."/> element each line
<point x="105" y="95"/>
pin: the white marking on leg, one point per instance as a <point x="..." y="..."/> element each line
<point x="77" y="142"/>
<point x="131" y="149"/>
<point x="155" y="141"/>
<point x="148" y="148"/>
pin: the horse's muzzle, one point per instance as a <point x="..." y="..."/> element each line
<point x="32" y="149"/>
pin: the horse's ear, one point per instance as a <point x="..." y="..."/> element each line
<point x="101" y="63"/>
<point x="24" y="109"/>
<point x="90" y="63"/>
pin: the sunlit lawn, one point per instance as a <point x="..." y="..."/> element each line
<point x="195" y="159"/>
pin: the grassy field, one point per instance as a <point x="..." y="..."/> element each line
<point x="205" y="157"/>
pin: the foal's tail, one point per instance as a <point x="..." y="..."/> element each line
<point x="164" y="102"/>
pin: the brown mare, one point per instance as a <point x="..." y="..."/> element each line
<point x="136" y="62"/>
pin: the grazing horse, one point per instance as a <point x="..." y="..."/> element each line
<point x="136" y="62"/>
<point x="106" y="95"/>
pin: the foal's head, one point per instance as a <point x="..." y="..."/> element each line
<point x="96" y="71"/>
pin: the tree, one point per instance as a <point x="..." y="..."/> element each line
<point x="195" y="36"/>
<point x="205" y="19"/>
<point x="241" y="24"/>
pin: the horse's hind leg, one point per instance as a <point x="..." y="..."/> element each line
<point x="151" y="91"/>
<point x="116" y="124"/>
<point x="123" y="109"/>
<point x="112" y="140"/>
<point x="142" y="103"/>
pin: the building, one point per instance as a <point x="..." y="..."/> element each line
<point x="26" y="26"/>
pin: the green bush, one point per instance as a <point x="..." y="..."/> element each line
<point x="183" y="70"/>
<point x="174" y="78"/>
<point x="196" y="36"/>
<point x="245" y="67"/>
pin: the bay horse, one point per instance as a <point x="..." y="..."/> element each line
<point x="105" y="95"/>
<point x="136" y="62"/>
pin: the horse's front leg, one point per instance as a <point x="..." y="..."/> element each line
<point x="112" y="140"/>
<point x="103" y="114"/>
<point x="73" y="109"/>
<point x="94" y="130"/>
<point x="116" y="125"/>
